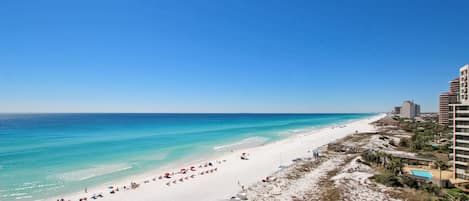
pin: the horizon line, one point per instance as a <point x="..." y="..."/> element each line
<point x="192" y="112"/>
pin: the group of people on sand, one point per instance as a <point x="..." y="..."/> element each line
<point x="316" y="154"/>
<point x="185" y="171"/>
<point x="244" y="156"/>
<point x="204" y="169"/>
<point x="182" y="179"/>
<point x="269" y="179"/>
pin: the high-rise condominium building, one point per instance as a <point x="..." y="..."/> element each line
<point x="459" y="122"/>
<point x="454" y="86"/>
<point x="445" y="100"/>
<point x="448" y="98"/>
<point x="396" y="110"/>
<point x="409" y="110"/>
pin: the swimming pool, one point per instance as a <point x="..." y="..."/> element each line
<point x="422" y="173"/>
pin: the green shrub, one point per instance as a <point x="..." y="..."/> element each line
<point x="458" y="194"/>
<point x="388" y="179"/>
<point x="404" y="142"/>
<point x="431" y="188"/>
<point x="410" y="182"/>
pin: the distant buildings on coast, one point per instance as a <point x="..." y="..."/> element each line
<point x="408" y="109"/>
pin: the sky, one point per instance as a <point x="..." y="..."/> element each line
<point x="228" y="55"/>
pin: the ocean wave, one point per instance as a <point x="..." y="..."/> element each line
<point x="24" y="188"/>
<point x="84" y="174"/>
<point x="23" y="197"/>
<point x="14" y="194"/>
<point x="245" y="143"/>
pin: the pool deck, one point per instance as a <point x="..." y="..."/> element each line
<point x="445" y="174"/>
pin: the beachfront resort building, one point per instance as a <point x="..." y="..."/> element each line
<point x="446" y="99"/>
<point x="409" y="110"/>
<point x="396" y="110"/>
<point x="454" y="86"/>
<point x="458" y="119"/>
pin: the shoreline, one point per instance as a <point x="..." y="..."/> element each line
<point x="230" y="175"/>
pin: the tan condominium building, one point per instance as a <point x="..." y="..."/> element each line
<point x="454" y="86"/>
<point x="445" y="100"/>
<point x="409" y="110"/>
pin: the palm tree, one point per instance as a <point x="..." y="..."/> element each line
<point x="395" y="165"/>
<point x="440" y="165"/>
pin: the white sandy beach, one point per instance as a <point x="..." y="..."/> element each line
<point x="223" y="183"/>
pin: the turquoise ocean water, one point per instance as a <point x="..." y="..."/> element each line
<point x="47" y="155"/>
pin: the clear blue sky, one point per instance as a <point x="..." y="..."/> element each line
<point x="228" y="55"/>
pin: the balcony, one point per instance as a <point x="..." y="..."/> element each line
<point x="462" y="134"/>
<point x="458" y="155"/>
<point x="463" y="141"/>
<point x="461" y="148"/>
<point x="462" y="118"/>
<point x="458" y="162"/>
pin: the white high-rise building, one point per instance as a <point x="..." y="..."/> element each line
<point x="458" y="119"/>
<point x="409" y="110"/>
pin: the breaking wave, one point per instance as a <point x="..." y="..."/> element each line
<point x="84" y="174"/>
<point x="245" y="143"/>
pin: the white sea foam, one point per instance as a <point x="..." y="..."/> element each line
<point x="245" y="143"/>
<point x="16" y="194"/>
<point x="24" y="188"/>
<point x="84" y="174"/>
<point x="23" y="197"/>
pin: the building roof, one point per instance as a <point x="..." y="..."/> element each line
<point x="413" y="158"/>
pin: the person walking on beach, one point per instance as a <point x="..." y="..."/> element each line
<point x="86" y="190"/>
<point x="242" y="186"/>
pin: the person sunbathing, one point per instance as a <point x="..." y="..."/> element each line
<point x="134" y="185"/>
